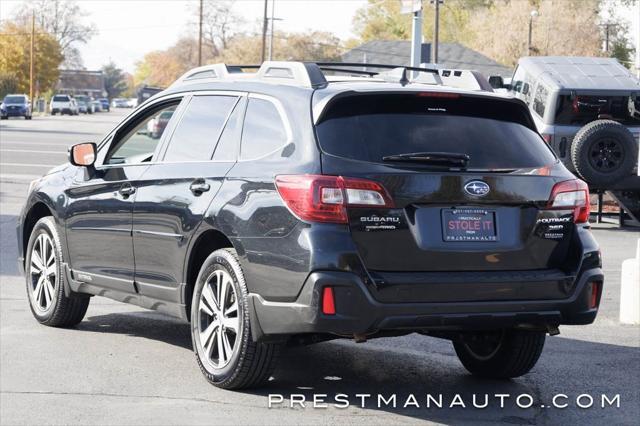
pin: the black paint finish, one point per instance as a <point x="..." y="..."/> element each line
<point x="133" y="232"/>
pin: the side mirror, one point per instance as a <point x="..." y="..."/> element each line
<point x="83" y="154"/>
<point x="525" y="88"/>
<point x="496" y="82"/>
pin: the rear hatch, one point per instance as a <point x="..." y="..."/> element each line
<point x="490" y="213"/>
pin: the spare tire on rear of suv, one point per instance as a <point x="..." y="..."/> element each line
<point x="603" y="152"/>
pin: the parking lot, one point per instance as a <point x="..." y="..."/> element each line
<point x="127" y="365"/>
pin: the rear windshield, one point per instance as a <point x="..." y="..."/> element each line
<point x="61" y="98"/>
<point x="494" y="134"/>
<point x="14" y="100"/>
<point x="580" y="110"/>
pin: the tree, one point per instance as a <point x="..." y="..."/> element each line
<point x="568" y="27"/>
<point x="115" y="81"/>
<point x="62" y="19"/>
<point x="383" y="20"/>
<point x="158" y="68"/>
<point x="8" y="84"/>
<point x="219" y="24"/>
<point x="309" y="46"/>
<point x="15" y="58"/>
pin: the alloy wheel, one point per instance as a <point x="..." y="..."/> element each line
<point x="44" y="273"/>
<point x="219" y="319"/>
<point x="606" y="155"/>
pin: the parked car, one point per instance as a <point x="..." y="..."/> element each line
<point x="104" y="102"/>
<point x="156" y="127"/>
<point x="590" y="119"/>
<point x="84" y="104"/>
<point x="97" y="106"/>
<point x="287" y="207"/>
<point x="132" y="102"/>
<point x="147" y="92"/>
<point x="63" y="104"/>
<point x="119" y="103"/>
<point x="15" y="106"/>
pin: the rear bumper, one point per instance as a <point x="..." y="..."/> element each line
<point x="358" y="312"/>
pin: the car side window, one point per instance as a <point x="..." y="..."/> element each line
<point x="227" y="148"/>
<point x="263" y="131"/>
<point x="139" y="143"/>
<point x="540" y="99"/>
<point x="198" y="131"/>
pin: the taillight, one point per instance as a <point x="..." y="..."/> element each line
<point x="318" y="198"/>
<point x="328" y="301"/>
<point x="571" y="194"/>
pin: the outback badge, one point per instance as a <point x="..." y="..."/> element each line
<point x="477" y="188"/>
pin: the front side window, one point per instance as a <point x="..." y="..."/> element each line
<point x="263" y="130"/>
<point x="138" y="144"/>
<point x="196" y="135"/>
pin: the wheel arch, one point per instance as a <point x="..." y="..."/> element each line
<point x="204" y="244"/>
<point x="36" y="212"/>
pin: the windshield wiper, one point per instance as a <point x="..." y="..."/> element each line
<point x="451" y="159"/>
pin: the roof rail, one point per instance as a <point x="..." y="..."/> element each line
<point x="310" y="74"/>
<point x="306" y="74"/>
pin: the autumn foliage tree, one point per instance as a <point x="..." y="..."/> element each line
<point x="15" y="43"/>
<point x="497" y="28"/>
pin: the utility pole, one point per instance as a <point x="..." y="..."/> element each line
<point x="200" y="36"/>
<point x="436" y="31"/>
<point x="607" y="34"/>
<point x="273" y="6"/>
<point x="532" y="15"/>
<point x="31" y="59"/>
<point x="270" y="54"/>
<point x="264" y="30"/>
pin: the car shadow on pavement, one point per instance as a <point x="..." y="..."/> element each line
<point x="416" y="365"/>
<point x="145" y="324"/>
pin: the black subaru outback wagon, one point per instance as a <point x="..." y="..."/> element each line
<point x="285" y="205"/>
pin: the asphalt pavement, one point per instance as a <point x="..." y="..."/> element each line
<point x="127" y="365"/>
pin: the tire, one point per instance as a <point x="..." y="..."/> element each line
<point x="50" y="306"/>
<point x="249" y="364"/>
<point x="603" y="152"/>
<point x="502" y="354"/>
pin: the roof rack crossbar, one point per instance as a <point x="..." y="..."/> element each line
<point x="382" y="66"/>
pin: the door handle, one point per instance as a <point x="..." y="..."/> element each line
<point x="199" y="186"/>
<point x="126" y="190"/>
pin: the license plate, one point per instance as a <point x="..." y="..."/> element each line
<point x="469" y="225"/>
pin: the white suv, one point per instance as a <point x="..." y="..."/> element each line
<point x="63" y="104"/>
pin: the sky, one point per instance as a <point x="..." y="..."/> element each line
<point x="127" y="29"/>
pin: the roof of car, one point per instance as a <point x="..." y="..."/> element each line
<point x="284" y="77"/>
<point x="576" y="73"/>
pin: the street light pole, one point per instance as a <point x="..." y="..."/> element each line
<point x="533" y="14"/>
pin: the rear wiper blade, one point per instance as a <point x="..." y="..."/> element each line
<point x="455" y="159"/>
